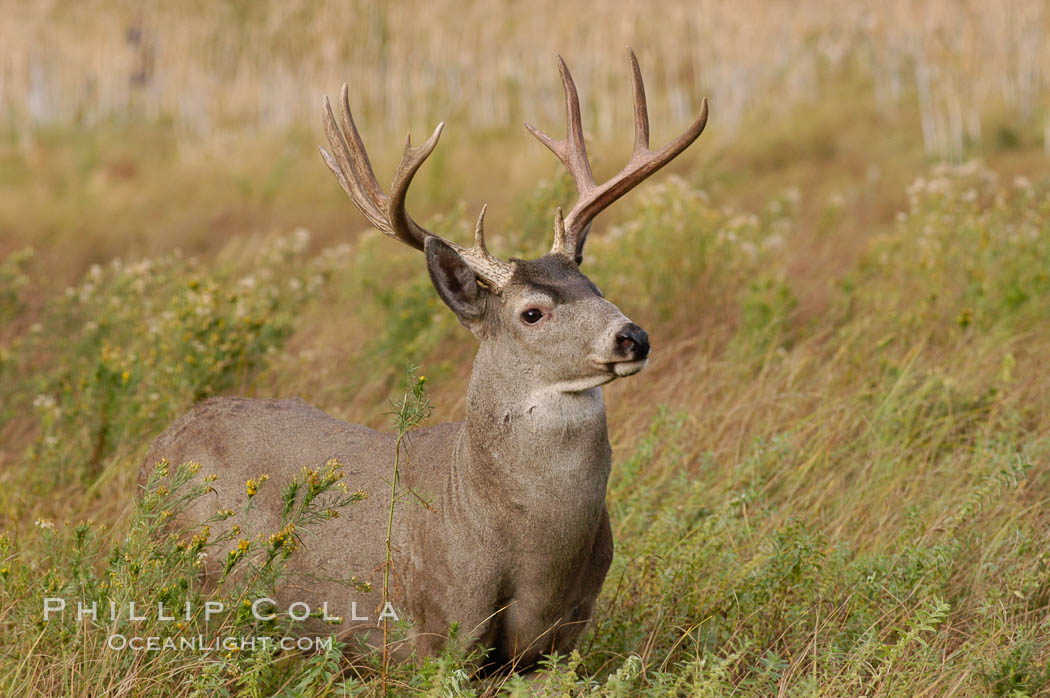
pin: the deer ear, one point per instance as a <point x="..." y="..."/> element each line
<point x="455" y="282"/>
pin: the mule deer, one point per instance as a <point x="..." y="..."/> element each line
<point x="516" y="542"/>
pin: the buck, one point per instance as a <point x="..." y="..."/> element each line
<point x="515" y="543"/>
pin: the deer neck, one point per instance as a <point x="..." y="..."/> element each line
<point x="535" y="455"/>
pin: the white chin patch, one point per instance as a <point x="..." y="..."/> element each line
<point x="629" y="368"/>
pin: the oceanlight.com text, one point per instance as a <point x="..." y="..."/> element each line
<point x="199" y="643"/>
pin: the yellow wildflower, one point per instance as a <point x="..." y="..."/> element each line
<point x="252" y="486"/>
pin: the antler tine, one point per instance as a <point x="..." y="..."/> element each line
<point x="571" y="149"/>
<point x="343" y="167"/>
<point x="593" y="198"/>
<point x="641" y="111"/>
<point x="362" y="166"/>
<point x="350" y="164"/>
<point x="561" y="245"/>
<point x="406" y="170"/>
<point x="493" y="272"/>
<point x="479" y="231"/>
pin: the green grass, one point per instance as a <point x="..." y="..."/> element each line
<point x="854" y="504"/>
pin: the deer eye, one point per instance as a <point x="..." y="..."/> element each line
<point x="532" y="316"/>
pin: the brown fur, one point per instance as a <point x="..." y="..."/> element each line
<point x="516" y="542"/>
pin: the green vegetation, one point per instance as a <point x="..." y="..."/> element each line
<point x="833" y="479"/>
<point x="851" y="502"/>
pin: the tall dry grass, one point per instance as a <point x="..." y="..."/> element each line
<point x="221" y="68"/>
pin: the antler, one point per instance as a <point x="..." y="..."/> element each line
<point x="571" y="233"/>
<point x="351" y="166"/>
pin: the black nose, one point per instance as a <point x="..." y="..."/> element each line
<point x="633" y="341"/>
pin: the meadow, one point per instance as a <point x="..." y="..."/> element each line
<point x="833" y="479"/>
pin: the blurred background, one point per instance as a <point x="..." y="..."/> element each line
<point x="831" y="479"/>
<point x="133" y="127"/>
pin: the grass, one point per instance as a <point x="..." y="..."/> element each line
<point x="219" y="68"/>
<point x="831" y="480"/>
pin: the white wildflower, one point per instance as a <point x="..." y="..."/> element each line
<point x="43" y="401"/>
<point x="142" y="268"/>
<point x="300" y="239"/>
